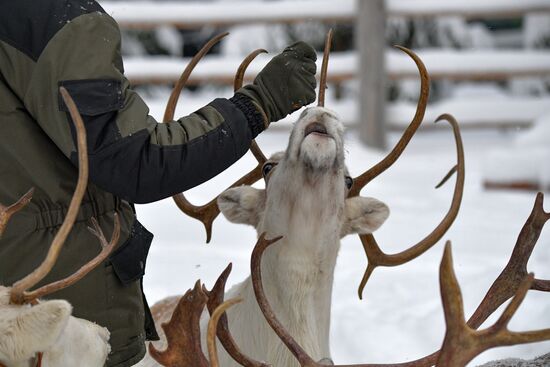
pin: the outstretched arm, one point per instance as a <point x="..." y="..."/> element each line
<point x="131" y="155"/>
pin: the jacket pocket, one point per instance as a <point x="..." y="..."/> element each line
<point x="93" y="96"/>
<point x="129" y="259"/>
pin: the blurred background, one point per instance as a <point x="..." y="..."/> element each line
<point x="489" y="63"/>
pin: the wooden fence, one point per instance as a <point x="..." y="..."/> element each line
<point x="371" y="63"/>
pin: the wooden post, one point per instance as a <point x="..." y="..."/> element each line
<point x="370" y="41"/>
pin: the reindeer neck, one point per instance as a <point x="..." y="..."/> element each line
<point x="308" y="212"/>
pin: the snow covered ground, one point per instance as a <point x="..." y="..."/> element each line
<point x="401" y="316"/>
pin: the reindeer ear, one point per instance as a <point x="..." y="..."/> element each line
<point x="32" y="329"/>
<point x="363" y="215"/>
<point x="242" y="204"/>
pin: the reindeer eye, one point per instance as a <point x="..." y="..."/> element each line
<point x="349" y="182"/>
<point x="267" y="168"/>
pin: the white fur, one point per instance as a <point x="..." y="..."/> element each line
<point x="304" y="201"/>
<point x="49" y="327"/>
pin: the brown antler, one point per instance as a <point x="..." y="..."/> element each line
<point x="508" y="282"/>
<point x="215" y="299"/>
<point x="18" y="292"/>
<point x="174" y="96"/>
<point x="106" y="249"/>
<point x="256" y="273"/>
<point x="462" y="343"/>
<point x="7" y="212"/>
<point x="324" y="68"/>
<point x="376" y="257"/>
<point x="363" y="179"/>
<point x="207" y="213"/>
<point x="183" y="333"/>
<point x="213" y="327"/>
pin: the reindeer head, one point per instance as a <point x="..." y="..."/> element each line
<point x="311" y="176"/>
<point x="311" y="173"/>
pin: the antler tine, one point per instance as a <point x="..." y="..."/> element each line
<point x="39" y="273"/>
<point x="376" y="257"/>
<point x="213" y="326"/>
<point x="208" y="213"/>
<point x="106" y="249"/>
<point x="255" y="264"/>
<point x="462" y="343"/>
<point x="215" y="299"/>
<point x="324" y="68"/>
<point x="515" y="270"/>
<point x="384" y="164"/>
<point x="7" y="212"/>
<point x="174" y="96"/>
<point x="239" y="76"/>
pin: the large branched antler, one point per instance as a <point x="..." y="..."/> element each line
<point x="19" y="294"/>
<point x="183" y="335"/>
<point x="462" y="343"/>
<point x="508" y="282"/>
<point x="207" y="213"/>
<point x="376" y="257"/>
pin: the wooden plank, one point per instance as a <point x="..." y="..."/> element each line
<point x="466" y="8"/>
<point x="146" y="15"/>
<point x="488" y="65"/>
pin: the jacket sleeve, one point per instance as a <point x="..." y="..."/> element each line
<point x="130" y="154"/>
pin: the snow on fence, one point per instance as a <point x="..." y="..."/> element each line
<point x="132" y="14"/>
<point x="442" y="64"/>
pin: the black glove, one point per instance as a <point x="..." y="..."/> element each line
<point x="286" y="83"/>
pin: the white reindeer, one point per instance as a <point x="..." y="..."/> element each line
<point x="43" y="333"/>
<point x="48" y="327"/>
<point x="305" y="202"/>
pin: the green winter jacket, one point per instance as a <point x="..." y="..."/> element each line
<point x="133" y="159"/>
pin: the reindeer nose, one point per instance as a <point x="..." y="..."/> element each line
<point x="315" y="127"/>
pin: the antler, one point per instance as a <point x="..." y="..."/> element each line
<point x="462" y="343"/>
<point x="213" y="326"/>
<point x="509" y="281"/>
<point x="207" y="213"/>
<point x="376" y="257"/>
<point x="256" y="273"/>
<point x="324" y="68"/>
<point x="215" y="300"/>
<point x="18" y="292"/>
<point x="183" y="333"/>
<point x="7" y="212"/>
<point x="363" y="179"/>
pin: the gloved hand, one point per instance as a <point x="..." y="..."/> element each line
<point x="286" y="83"/>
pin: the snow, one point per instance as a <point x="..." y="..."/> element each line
<point x="462" y="64"/>
<point x="401" y="316"/>
<point x="525" y="160"/>
<point x="196" y="13"/>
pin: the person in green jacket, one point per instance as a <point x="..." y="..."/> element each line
<point x="133" y="159"/>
